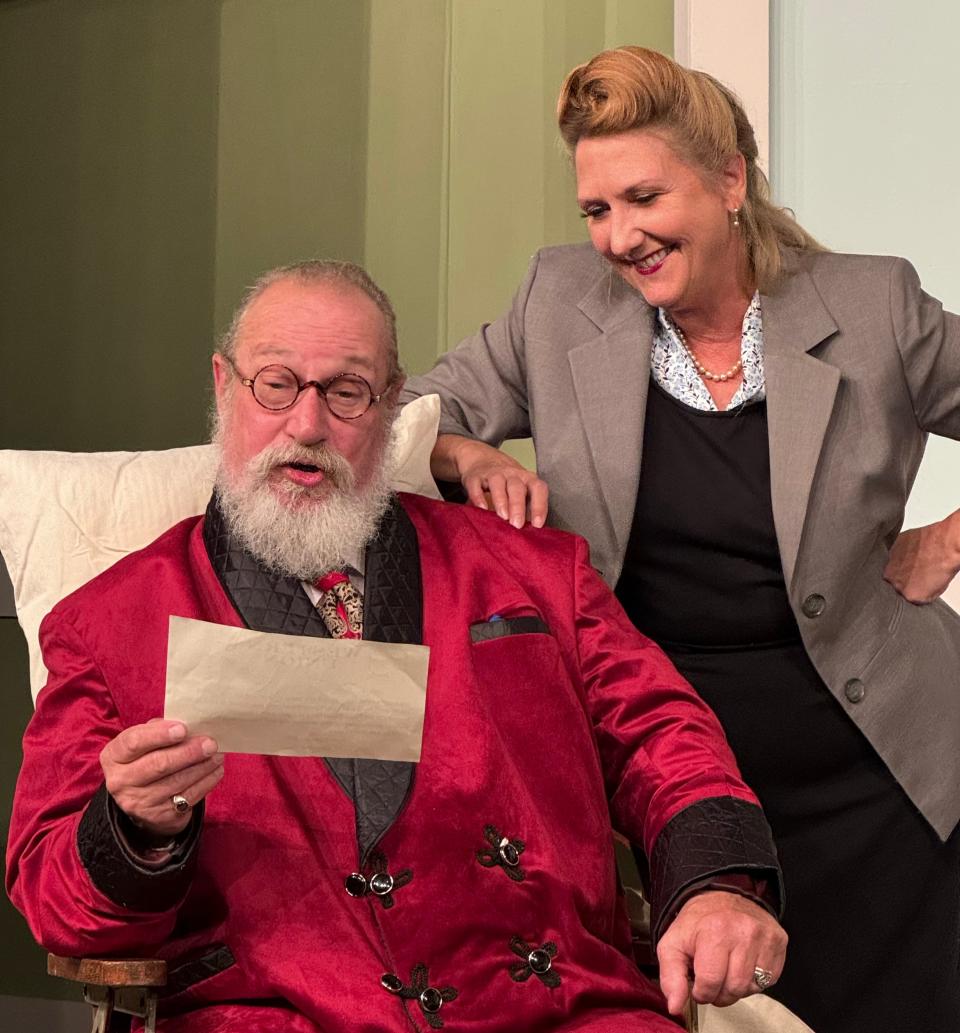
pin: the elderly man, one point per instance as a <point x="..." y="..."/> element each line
<point x="474" y="890"/>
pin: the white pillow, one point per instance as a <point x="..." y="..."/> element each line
<point x="67" y="516"/>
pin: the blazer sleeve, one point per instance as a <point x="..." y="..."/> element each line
<point x="68" y="868"/>
<point x="671" y="778"/>
<point x="928" y="339"/>
<point x="482" y="383"/>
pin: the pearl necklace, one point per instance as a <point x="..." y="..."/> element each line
<point x="701" y="369"/>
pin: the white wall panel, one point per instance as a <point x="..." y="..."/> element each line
<point x="865" y="104"/>
<point x="730" y="40"/>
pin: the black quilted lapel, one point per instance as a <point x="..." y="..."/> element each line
<point x="265" y="601"/>
<point x="392" y="612"/>
<point x="392" y="591"/>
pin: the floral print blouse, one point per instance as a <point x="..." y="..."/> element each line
<point x="674" y="371"/>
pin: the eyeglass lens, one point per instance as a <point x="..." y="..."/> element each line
<point x="276" y="387"/>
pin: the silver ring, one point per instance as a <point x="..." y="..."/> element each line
<point x="763" y="978"/>
<point x="181" y="805"/>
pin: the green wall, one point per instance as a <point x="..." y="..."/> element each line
<point x="155" y="155"/>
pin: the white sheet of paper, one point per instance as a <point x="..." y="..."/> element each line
<point x="294" y="695"/>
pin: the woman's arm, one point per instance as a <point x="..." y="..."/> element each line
<point x="924" y="560"/>
<point x="515" y="493"/>
<point x="482" y="384"/>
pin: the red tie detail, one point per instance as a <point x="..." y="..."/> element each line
<point x="340" y="606"/>
<point x="332" y="577"/>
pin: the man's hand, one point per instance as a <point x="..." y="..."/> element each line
<point x="146" y="765"/>
<point x="516" y="493"/>
<point x="721" y="937"/>
<point x="924" y="560"/>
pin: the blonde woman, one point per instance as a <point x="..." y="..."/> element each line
<point x="779" y="397"/>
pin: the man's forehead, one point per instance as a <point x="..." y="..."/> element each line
<point x="290" y="314"/>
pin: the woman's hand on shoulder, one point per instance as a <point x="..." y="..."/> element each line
<point x="494" y="480"/>
<point x="924" y="560"/>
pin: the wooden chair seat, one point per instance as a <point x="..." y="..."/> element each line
<point x="125" y="986"/>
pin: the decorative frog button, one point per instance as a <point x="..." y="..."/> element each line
<point x="503" y="853"/>
<point x="430" y="998"/>
<point x="509" y="854"/>
<point x="355" y="884"/>
<point x="537" y="961"/>
<point x="380" y="882"/>
<point x="392" y="983"/>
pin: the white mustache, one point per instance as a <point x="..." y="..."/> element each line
<point x="332" y="464"/>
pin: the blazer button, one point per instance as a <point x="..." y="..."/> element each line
<point x="813" y="605"/>
<point x="854" y="690"/>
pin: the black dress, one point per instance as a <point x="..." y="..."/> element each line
<point x="872" y="895"/>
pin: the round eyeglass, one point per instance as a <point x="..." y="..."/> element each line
<point x="347" y="395"/>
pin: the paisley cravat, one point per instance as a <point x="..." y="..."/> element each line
<point x="341" y="605"/>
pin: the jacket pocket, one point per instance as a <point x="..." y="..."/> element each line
<point x="484" y="631"/>
<point x="889" y="636"/>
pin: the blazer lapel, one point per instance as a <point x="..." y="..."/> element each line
<point x="611" y="374"/>
<point x="801" y="390"/>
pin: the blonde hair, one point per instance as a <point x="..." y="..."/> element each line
<point x="634" y="88"/>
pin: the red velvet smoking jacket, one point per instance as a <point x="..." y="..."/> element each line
<point x="533" y="737"/>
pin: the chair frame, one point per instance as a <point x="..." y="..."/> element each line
<point x="123" y="986"/>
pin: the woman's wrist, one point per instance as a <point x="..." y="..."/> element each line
<point x="454" y="456"/>
<point x="444" y="459"/>
<point x="951" y="540"/>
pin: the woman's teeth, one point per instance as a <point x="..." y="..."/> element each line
<point x="655" y="259"/>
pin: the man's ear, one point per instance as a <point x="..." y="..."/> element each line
<point x="221" y="378"/>
<point x="393" y="391"/>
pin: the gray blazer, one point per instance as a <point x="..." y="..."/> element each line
<point x="860" y="365"/>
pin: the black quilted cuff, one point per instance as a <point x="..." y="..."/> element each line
<point x="115" y="871"/>
<point x="720" y="834"/>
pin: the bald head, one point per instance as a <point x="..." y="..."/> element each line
<point x="343" y="278"/>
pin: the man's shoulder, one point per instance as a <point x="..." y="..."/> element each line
<point x="450" y="518"/>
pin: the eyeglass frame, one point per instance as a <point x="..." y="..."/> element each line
<point x="321" y="387"/>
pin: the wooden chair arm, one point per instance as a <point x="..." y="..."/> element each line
<point x="115" y="987"/>
<point x="116" y="972"/>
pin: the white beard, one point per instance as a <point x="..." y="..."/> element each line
<point x="296" y="531"/>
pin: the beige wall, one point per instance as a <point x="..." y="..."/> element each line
<point x="465" y="176"/>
